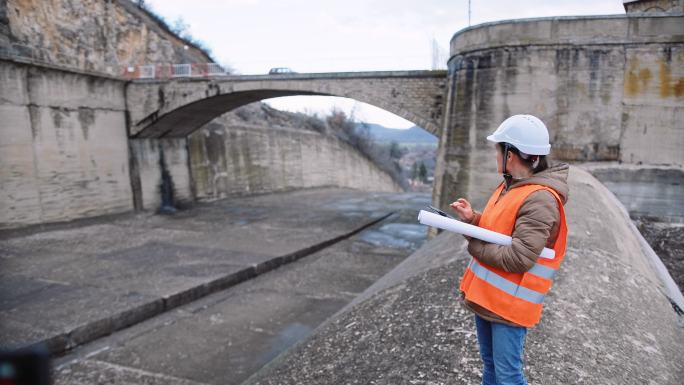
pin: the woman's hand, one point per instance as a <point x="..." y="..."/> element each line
<point x="463" y="209"/>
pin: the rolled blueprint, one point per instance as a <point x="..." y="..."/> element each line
<point x="444" y="223"/>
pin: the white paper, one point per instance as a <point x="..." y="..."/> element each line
<point x="444" y="223"/>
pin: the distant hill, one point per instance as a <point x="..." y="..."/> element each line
<point x="413" y="135"/>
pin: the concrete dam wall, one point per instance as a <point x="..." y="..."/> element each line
<point x="608" y="88"/>
<point x="237" y="160"/>
<point x="65" y="154"/>
<point x="605" y="320"/>
<point x="63" y="146"/>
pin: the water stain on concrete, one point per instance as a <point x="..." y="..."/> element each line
<point x="34" y="116"/>
<point x="161" y="98"/>
<point x="58" y="115"/>
<point x="285" y="339"/>
<point x="396" y="235"/>
<point x="215" y="146"/>
<point x="86" y="117"/>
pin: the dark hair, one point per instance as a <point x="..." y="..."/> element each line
<point x="528" y="159"/>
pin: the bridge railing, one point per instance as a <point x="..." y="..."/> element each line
<point x="149" y="71"/>
<point x="168" y="71"/>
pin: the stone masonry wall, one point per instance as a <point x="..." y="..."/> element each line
<point x="94" y="35"/>
<point x="608" y="88"/>
<point x="178" y="107"/>
<point x="63" y="146"/>
<point x="228" y="160"/>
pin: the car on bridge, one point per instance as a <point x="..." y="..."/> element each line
<point x="281" y="71"/>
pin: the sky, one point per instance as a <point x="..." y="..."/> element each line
<point x="253" y="36"/>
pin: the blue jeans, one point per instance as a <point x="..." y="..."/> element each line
<point x="501" y="350"/>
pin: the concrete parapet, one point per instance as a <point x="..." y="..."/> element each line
<point x="579" y="30"/>
<point x="605" y="321"/>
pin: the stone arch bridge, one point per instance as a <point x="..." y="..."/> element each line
<point x="176" y="108"/>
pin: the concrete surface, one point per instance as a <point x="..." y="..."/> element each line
<point x="65" y="285"/>
<point x="652" y="195"/>
<point x="146" y="170"/>
<point x="63" y="146"/>
<point x="228" y="160"/>
<point x="577" y="30"/>
<point x="605" y="321"/>
<point x="609" y="88"/>
<point x="646" y="191"/>
<point x="227" y="336"/>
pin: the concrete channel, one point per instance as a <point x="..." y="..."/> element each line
<point x="349" y="239"/>
<point x="359" y="310"/>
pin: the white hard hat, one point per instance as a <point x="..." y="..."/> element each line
<point x="526" y="132"/>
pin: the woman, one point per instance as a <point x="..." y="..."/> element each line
<point x="505" y="285"/>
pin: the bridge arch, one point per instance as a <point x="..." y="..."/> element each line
<point x="177" y="108"/>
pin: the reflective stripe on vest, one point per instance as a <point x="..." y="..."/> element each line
<point x="537" y="269"/>
<point x="542" y="271"/>
<point x="509" y="287"/>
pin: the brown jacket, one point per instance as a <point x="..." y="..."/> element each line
<point x="536" y="227"/>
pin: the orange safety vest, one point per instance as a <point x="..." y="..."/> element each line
<point x="516" y="297"/>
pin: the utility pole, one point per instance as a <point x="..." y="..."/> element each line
<point x="468" y="13"/>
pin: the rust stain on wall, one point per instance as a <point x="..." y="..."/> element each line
<point x="665" y="78"/>
<point x="644" y="77"/>
<point x="678" y="88"/>
<point x="86" y="118"/>
<point x="632" y="78"/>
<point x="668" y="85"/>
<point x="637" y="80"/>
